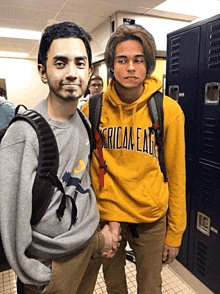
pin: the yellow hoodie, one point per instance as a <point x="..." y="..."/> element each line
<point x="134" y="189"/>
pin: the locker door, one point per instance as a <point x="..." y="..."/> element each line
<point x="181" y="85"/>
<point x="209" y="81"/>
<point x="206" y="258"/>
<point x="182" y="75"/>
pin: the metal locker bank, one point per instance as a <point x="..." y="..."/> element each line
<point x="193" y="79"/>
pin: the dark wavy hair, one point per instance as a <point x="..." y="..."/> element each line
<point x="62" y="30"/>
<point x="136" y="33"/>
<point x="2" y="92"/>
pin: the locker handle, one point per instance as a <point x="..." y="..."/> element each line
<point x="203" y="223"/>
<point x="174" y="92"/>
<point x="212" y="93"/>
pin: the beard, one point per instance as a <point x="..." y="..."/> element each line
<point x="72" y="95"/>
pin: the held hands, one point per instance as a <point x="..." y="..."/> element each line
<point x="169" y="253"/>
<point x="112" y="237"/>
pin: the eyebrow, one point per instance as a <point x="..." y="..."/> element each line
<point x="124" y="56"/>
<point x="62" y="57"/>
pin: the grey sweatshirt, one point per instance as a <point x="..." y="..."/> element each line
<point x="50" y="238"/>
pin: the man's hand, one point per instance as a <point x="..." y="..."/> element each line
<point x="169" y="253"/>
<point x="112" y="237"/>
<point x="115" y="229"/>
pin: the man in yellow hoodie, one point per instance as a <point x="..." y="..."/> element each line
<point x="151" y="212"/>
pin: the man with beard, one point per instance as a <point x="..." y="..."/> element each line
<point x="52" y="256"/>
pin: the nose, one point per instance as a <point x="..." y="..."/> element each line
<point x="131" y="66"/>
<point x="71" y="72"/>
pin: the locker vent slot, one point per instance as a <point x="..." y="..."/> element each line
<point x="174" y="61"/>
<point x="209" y="138"/>
<point x="205" y="190"/>
<point x="201" y="258"/>
<point x="214" y="47"/>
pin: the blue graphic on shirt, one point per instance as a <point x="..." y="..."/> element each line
<point x="76" y="182"/>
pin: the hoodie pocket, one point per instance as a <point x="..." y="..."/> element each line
<point x="157" y="192"/>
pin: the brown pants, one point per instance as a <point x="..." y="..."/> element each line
<point x="148" y="254"/>
<point x="67" y="272"/>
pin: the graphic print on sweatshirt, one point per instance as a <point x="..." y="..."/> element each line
<point x="130" y="138"/>
<point x="75" y="181"/>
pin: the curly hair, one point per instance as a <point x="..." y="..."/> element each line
<point x="136" y="33"/>
<point x="62" y="30"/>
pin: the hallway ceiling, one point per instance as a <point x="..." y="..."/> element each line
<point x="35" y="15"/>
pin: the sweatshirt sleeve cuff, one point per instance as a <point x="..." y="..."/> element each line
<point x="173" y="240"/>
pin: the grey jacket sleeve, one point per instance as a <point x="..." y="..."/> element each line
<point x="18" y="161"/>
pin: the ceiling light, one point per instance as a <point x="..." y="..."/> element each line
<point x="188" y="7"/>
<point x="19" y="34"/>
<point x="13" y="54"/>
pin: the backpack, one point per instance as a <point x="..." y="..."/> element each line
<point x="46" y="175"/>
<point x="155" y="105"/>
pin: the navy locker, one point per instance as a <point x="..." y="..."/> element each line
<point x="182" y="75"/>
<point x="196" y="75"/>
<point x="182" y="85"/>
<point x="206" y="260"/>
<point x="209" y="81"/>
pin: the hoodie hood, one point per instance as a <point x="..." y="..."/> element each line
<point x="151" y="85"/>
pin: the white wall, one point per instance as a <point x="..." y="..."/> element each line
<point x="23" y="82"/>
<point x="100" y="37"/>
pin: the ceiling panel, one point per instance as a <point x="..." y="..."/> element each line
<point x="21" y="48"/>
<point x="100" y="8"/>
<point x="35" y="4"/>
<point x="17" y="41"/>
<point x="81" y="20"/>
<point x="23" y="25"/>
<point x="105" y="8"/>
<point x="32" y="15"/>
<point x="171" y="15"/>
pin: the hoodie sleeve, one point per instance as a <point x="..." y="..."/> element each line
<point x="18" y="159"/>
<point x="174" y="152"/>
<point x="85" y="109"/>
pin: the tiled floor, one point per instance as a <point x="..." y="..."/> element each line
<point x="8" y="282"/>
<point x="171" y="282"/>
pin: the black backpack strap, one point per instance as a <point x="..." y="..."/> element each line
<point x="46" y="175"/>
<point x="18" y="107"/>
<point x="95" y="107"/>
<point x="88" y="128"/>
<point x="155" y="105"/>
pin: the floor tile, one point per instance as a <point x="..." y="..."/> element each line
<point x="172" y="284"/>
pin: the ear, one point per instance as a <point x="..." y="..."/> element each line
<point x="91" y="71"/>
<point x="42" y="73"/>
